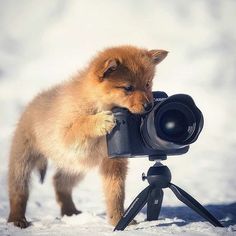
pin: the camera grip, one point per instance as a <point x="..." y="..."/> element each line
<point x="118" y="141"/>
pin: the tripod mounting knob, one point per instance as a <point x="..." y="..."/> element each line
<point x="144" y="177"/>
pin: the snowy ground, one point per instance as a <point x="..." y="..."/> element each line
<point x="43" y="44"/>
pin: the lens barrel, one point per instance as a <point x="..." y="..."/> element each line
<point x="173" y="123"/>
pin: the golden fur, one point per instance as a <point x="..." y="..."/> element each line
<point x="68" y="123"/>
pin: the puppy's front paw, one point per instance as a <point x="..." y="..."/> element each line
<point x="115" y="218"/>
<point x="105" y="122"/>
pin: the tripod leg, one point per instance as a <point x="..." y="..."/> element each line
<point x="154" y="203"/>
<point x="134" y="208"/>
<point x="193" y="204"/>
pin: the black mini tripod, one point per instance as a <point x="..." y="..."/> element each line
<point x="159" y="177"/>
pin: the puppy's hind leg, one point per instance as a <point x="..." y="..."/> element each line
<point x="22" y="161"/>
<point x="63" y="184"/>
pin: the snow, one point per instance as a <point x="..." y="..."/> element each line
<point x="43" y="44"/>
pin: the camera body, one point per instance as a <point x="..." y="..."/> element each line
<point x="172" y="124"/>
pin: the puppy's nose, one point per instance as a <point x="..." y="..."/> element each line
<point x="147" y="106"/>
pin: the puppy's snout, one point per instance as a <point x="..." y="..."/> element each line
<point x="147" y="106"/>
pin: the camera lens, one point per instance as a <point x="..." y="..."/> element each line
<point x="172" y="124"/>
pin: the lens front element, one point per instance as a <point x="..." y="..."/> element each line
<point x="174" y="123"/>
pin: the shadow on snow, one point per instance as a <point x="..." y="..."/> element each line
<point x="226" y="214"/>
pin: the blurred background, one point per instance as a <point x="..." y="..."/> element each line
<point x="45" y="42"/>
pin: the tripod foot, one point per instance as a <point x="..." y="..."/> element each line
<point x="195" y="205"/>
<point x="134" y="208"/>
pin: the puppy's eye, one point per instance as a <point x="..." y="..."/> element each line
<point x="129" y="88"/>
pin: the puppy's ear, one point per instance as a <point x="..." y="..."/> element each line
<point x="108" y="67"/>
<point x="157" y="55"/>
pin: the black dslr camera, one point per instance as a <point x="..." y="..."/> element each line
<point x="167" y="129"/>
<point x="172" y="124"/>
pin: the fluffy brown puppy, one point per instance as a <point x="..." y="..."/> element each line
<point x="68" y="124"/>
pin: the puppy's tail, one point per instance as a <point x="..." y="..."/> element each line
<point x="41" y="167"/>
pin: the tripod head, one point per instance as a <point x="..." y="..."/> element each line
<point x="158" y="175"/>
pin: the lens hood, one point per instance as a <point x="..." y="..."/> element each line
<point x="172" y="123"/>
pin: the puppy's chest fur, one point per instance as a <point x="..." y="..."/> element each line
<point x="49" y="124"/>
<point x="77" y="157"/>
<point x="84" y="154"/>
<point x="80" y="157"/>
